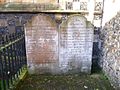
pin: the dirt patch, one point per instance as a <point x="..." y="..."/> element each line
<point x="66" y="82"/>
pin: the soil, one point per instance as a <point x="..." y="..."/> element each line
<point x="66" y="82"/>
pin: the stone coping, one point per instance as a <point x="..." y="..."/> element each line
<point x="40" y="7"/>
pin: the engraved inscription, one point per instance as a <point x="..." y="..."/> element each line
<point x="42" y="40"/>
<point x="49" y="50"/>
<point x="75" y="44"/>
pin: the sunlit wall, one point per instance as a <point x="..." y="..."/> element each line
<point x="111" y="7"/>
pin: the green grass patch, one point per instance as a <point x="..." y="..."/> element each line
<point x="16" y="81"/>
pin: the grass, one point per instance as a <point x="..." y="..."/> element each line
<point x="96" y="81"/>
<point x="20" y="79"/>
<point x="66" y="82"/>
<point x="16" y="81"/>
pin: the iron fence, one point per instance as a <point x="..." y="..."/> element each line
<point x="12" y="59"/>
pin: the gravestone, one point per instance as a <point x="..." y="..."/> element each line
<point x="64" y="49"/>
<point x="76" y="41"/>
<point x="41" y="44"/>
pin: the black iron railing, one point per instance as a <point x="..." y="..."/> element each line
<point x="12" y="59"/>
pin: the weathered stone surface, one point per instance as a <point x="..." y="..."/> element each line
<point x="76" y="41"/>
<point x="110" y="55"/>
<point x="3" y="22"/>
<point x="9" y="23"/>
<point x="42" y="44"/>
<point x="50" y="50"/>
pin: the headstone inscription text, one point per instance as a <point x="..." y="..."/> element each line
<point x="75" y="45"/>
<point x="59" y="50"/>
<point x="42" y="41"/>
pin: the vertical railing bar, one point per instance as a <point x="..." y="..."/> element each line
<point x="2" y="58"/>
<point x="22" y="53"/>
<point x="9" y="61"/>
<point x="15" y="59"/>
<point x="3" y="87"/>
<point x="17" y="54"/>
<point x="21" y="56"/>
<point x="6" y="68"/>
<point x="10" y="65"/>
<point x="11" y="58"/>
<point x="24" y="50"/>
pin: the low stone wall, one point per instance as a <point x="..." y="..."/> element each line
<point x="111" y="50"/>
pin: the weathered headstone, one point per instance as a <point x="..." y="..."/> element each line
<point x="76" y="41"/>
<point x="63" y="51"/>
<point x="41" y="44"/>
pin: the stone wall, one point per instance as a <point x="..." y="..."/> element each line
<point x="13" y="23"/>
<point x="57" y="46"/>
<point x="110" y="55"/>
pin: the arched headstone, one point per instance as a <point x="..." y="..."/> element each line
<point x="76" y="41"/>
<point x="41" y="44"/>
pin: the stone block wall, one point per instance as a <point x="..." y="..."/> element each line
<point x="13" y="23"/>
<point x="110" y="55"/>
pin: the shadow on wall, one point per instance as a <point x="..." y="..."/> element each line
<point x="96" y="67"/>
